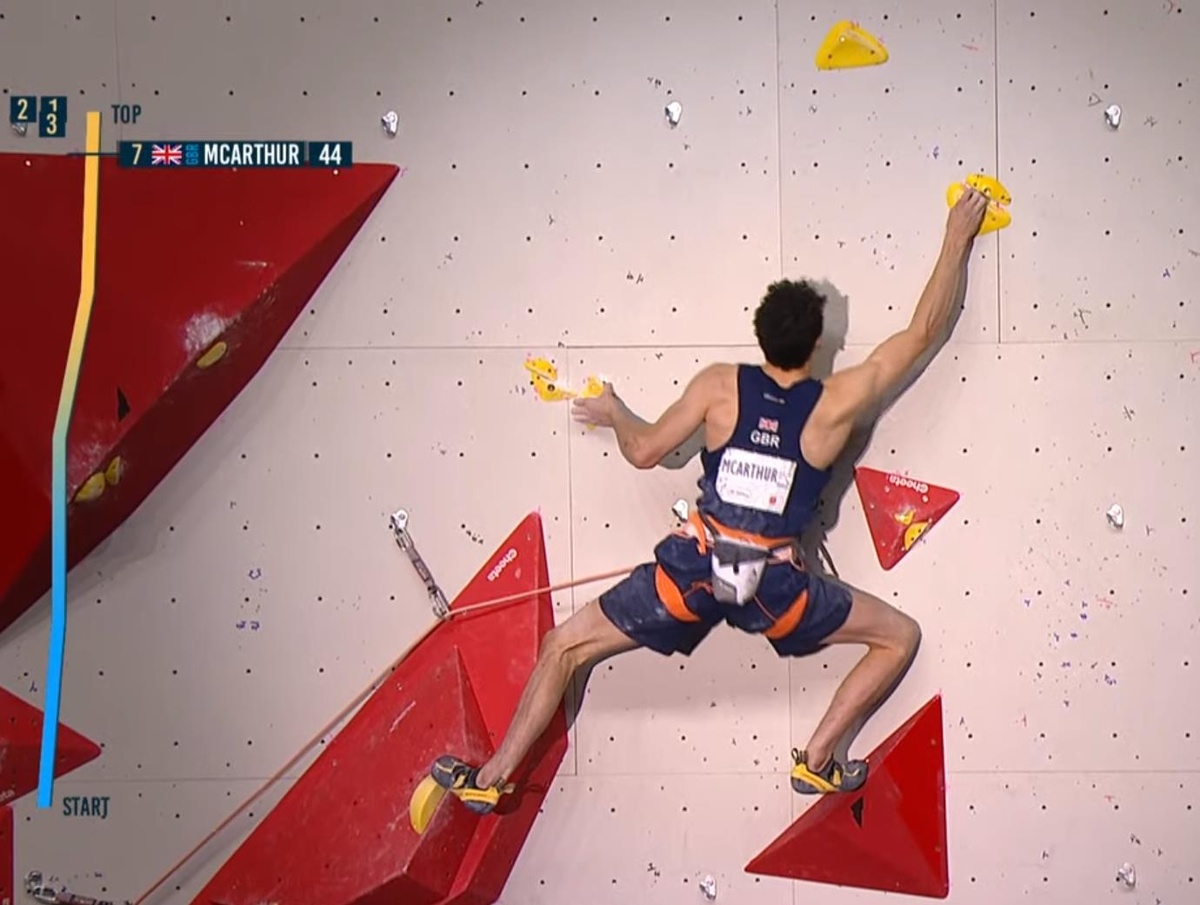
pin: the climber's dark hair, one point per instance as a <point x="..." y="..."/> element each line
<point x="788" y="322"/>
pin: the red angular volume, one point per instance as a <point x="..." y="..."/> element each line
<point x="899" y="510"/>
<point x="199" y="274"/>
<point x="890" y="835"/>
<point x="21" y="747"/>
<point x="456" y="692"/>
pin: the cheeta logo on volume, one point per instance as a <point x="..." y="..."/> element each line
<point x="504" y="561"/>
<point x="902" y="481"/>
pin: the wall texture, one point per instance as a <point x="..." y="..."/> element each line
<point x="546" y="207"/>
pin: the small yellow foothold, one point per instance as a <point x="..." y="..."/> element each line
<point x="996" y="217"/>
<point x="424" y="803"/>
<point x="849" y="46"/>
<point x="92" y="488"/>
<point x="905" y="517"/>
<point x="116" y="468"/>
<point x="214" y="354"/>
<point x="913" y="533"/>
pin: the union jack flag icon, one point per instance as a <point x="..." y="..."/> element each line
<point x="166" y="155"/>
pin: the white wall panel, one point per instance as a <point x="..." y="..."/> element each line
<point x="61" y="48"/>
<point x="521" y="168"/>
<point x="1080" y="637"/>
<point x="868" y="154"/>
<point x="1105" y="242"/>
<point x="599" y="847"/>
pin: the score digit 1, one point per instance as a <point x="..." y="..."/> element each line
<point x="52" y="117"/>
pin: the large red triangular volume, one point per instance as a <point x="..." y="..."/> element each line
<point x="890" y="835"/>
<point x="21" y="747"/>
<point x="454" y="693"/>
<point x="199" y="274"/>
<point x="899" y="510"/>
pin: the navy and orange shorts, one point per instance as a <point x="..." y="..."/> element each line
<point x="668" y="606"/>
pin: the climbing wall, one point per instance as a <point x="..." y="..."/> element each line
<point x="545" y="205"/>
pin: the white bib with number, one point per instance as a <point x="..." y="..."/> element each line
<point x="754" y="480"/>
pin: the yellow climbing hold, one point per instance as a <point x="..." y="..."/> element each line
<point x="849" y="46"/>
<point x="116" y="468"/>
<point x="543" y="375"/>
<point x="997" y="216"/>
<point x="92" y="488"/>
<point x="424" y="803"/>
<point x="214" y="354"/>
<point x="913" y="533"/>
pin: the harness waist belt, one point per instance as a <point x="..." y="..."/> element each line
<point x="733" y="547"/>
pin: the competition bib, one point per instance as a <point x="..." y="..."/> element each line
<point x="754" y="480"/>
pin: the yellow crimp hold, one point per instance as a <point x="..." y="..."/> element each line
<point x="913" y="530"/>
<point x="913" y="533"/>
<point x="543" y="375"/>
<point x="997" y="216"/>
<point x="115" y="470"/>
<point x="91" y="489"/>
<point x="214" y="354"/>
<point x="849" y="46"/>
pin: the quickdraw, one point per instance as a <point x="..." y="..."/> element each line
<point x="441" y="606"/>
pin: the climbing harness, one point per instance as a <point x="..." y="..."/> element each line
<point x="738" y="563"/>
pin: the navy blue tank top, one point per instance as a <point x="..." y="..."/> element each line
<point x="759" y="481"/>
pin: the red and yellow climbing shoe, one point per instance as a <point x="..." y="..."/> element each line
<point x="834" y="778"/>
<point x="458" y="778"/>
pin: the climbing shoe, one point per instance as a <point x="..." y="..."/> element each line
<point x="458" y="778"/>
<point x="834" y="778"/>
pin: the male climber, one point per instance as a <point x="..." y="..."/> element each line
<point x="772" y="433"/>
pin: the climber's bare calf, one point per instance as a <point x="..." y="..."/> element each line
<point x="586" y="637"/>
<point x="892" y="639"/>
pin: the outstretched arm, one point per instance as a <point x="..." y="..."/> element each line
<point x="860" y="389"/>
<point x="864" y="386"/>
<point x="645" y="444"/>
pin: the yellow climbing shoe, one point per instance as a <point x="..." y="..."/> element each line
<point x="458" y="778"/>
<point x="834" y="777"/>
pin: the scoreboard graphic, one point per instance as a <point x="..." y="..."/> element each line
<point x="163" y="154"/>
<point x="49" y="114"/>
